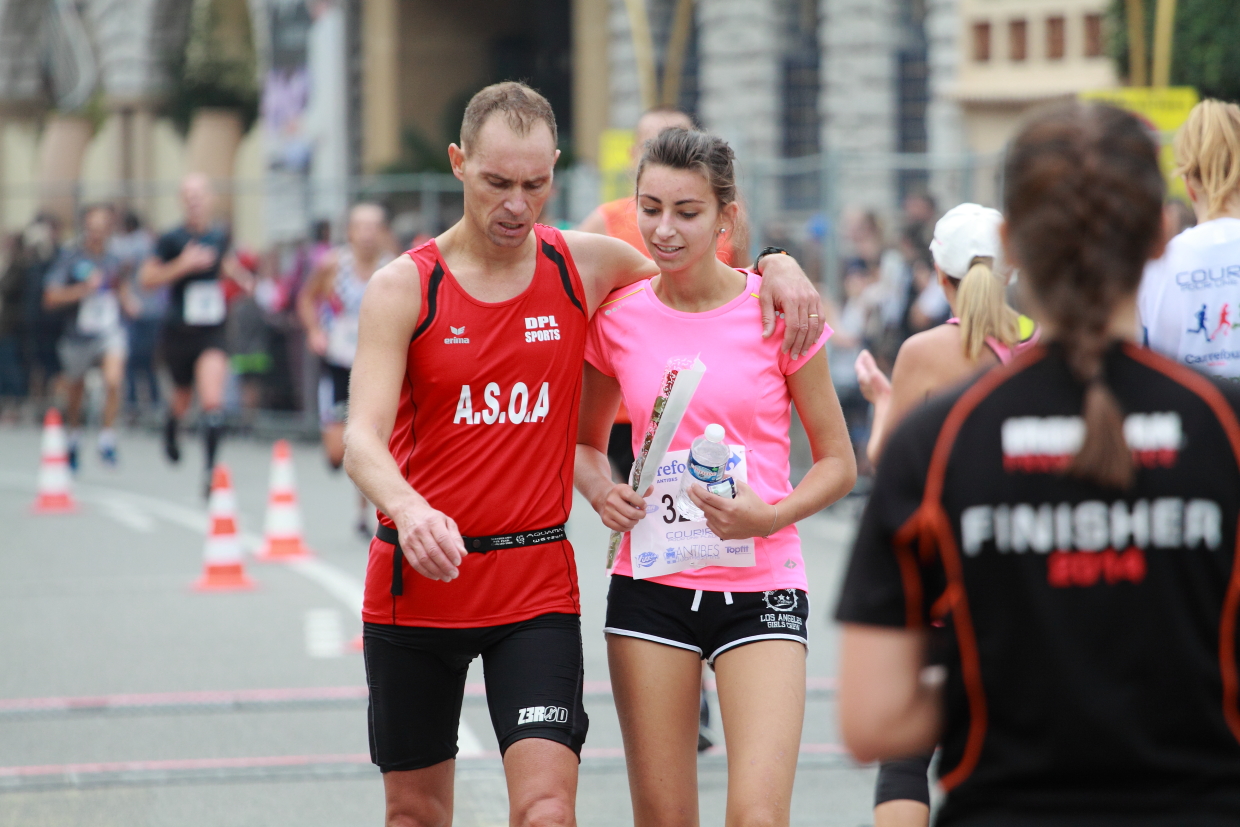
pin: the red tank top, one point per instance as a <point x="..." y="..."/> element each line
<point x="485" y="430"/>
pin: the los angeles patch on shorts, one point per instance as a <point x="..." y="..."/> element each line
<point x="709" y="623"/>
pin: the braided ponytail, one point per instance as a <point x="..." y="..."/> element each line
<point x="1083" y="204"/>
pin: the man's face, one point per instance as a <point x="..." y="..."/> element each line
<point x="197" y="200"/>
<point x="97" y="227"/>
<point x="507" y="179"/>
<point x="367" y="229"/>
<point x="651" y="124"/>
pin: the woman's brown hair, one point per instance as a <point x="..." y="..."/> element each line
<point x="1083" y="203"/>
<point x="704" y="153"/>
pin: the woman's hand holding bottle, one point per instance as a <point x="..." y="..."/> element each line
<point x="735" y="519"/>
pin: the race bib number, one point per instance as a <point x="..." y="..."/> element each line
<point x="666" y="541"/>
<point x="342" y="341"/>
<point x="204" y="303"/>
<point x="98" y="313"/>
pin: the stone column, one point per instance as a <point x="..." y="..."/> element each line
<point x="65" y="138"/>
<point x="739" y="57"/>
<point x="944" y="121"/>
<point x="622" y="82"/>
<point x="858" y="99"/>
<point x="380" y="83"/>
<point x="590" y="76"/>
<point x="211" y="148"/>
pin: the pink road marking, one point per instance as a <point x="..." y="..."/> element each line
<point x="229" y="697"/>
<point x="187" y="764"/>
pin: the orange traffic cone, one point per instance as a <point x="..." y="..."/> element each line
<point x="54" y="494"/>
<point x="223" y="569"/>
<point x="282" y="532"/>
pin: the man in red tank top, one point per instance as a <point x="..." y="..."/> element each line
<point x="462" y="426"/>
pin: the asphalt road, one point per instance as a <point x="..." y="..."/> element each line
<point x="128" y="699"/>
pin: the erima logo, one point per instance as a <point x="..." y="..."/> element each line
<point x="541" y="329"/>
<point x="456" y="337"/>
<point x="457" y="331"/>
<point x="542" y="714"/>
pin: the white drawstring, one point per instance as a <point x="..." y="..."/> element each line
<point x="727" y="598"/>
<point x="697" y="600"/>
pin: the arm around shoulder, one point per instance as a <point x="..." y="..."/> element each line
<point x="606" y="264"/>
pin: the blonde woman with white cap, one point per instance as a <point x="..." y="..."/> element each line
<point x="983" y="331"/>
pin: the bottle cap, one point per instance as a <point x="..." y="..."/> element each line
<point x="714" y="432"/>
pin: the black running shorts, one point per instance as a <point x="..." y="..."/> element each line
<point x="533" y="672"/>
<point x="709" y="623"/>
<point x="182" y="344"/>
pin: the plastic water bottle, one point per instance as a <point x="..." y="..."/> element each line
<point x="708" y="463"/>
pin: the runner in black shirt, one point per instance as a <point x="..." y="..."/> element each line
<point x="192" y="259"/>
<point x="1072" y="519"/>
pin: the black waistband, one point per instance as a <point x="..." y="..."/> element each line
<point x="478" y="545"/>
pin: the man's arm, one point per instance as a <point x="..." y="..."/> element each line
<point x="429" y="539"/>
<point x="607" y="264"/>
<point x="59" y="290"/>
<point x="193" y="258"/>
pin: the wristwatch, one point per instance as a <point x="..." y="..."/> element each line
<point x="768" y="251"/>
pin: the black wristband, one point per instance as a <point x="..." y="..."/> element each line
<point x="768" y="251"/>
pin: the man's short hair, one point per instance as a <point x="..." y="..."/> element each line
<point x="521" y="106"/>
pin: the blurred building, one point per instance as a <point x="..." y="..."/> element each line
<point x="1018" y="54"/>
<point x="895" y="91"/>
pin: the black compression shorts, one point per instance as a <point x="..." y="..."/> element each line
<point x="181" y="346"/>
<point x="708" y="623"/>
<point x="906" y="779"/>
<point x="533" y="672"/>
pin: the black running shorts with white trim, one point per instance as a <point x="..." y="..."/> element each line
<point x="416" y="675"/>
<point x="181" y="345"/>
<point x="709" y="623"/>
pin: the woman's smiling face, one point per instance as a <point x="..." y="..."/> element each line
<point x="678" y="215"/>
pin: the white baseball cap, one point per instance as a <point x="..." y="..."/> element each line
<point x="963" y="233"/>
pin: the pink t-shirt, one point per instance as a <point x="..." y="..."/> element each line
<point x="633" y="336"/>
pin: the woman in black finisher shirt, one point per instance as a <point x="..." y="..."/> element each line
<point x="1072" y="518"/>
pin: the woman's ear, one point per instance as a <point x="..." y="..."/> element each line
<point x="728" y="217"/>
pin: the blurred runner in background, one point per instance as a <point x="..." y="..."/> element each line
<point x="86" y="282"/>
<point x="144" y="313"/>
<point x="192" y="260"/>
<point x="329" y="307"/>
<point x="1190" y="298"/>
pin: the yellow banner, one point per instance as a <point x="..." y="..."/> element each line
<point x="1164" y="109"/>
<point x="615" y="162"/>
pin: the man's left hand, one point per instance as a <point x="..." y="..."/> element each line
<point x="786" y="288"/>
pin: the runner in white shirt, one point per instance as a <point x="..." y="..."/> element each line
<point x="329" y="306"/>
<point x="1189" y="301"/>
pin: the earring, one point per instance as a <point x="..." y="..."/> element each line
<point x="722" y="230"/>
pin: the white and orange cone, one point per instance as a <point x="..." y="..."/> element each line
<point x="223" y="568"/>
<point x="55" y="494"/>
<point x="282" y="538"/>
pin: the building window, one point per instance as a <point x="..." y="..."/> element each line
<point x="1018" y="46"/>
<point x="1054" y="38"/>
<point x="1093" y="35"/>
<point x="981" y="42"/>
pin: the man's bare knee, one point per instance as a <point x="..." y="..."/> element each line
<point x="548" y="811"/>
<point x="424" y="813"/>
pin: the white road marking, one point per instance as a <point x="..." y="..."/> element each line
<point x="336" y="582"/>
<point x="127" y="514"/>
<point x="324" y="635"/>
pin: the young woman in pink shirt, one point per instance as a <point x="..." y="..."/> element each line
<point x="731" y="588"/>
